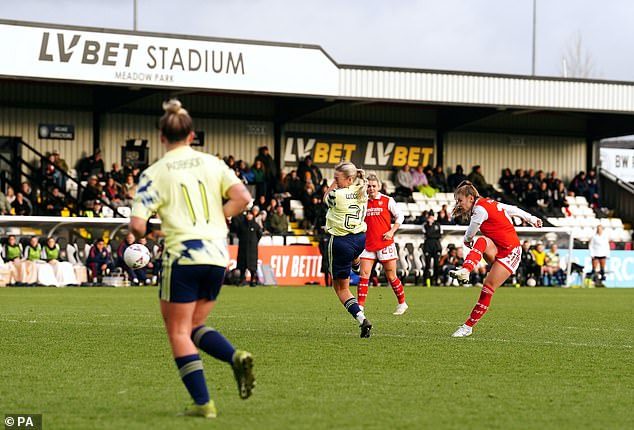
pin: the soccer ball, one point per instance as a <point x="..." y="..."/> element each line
<point x="136" y="256"/>
<point x="531" y="282"/>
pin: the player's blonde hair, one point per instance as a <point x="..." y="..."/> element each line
<point x="466" y="189"/>
<point x="175" y="124"/>
<point x="349" y="170"/>
<point x="372" y="177"/>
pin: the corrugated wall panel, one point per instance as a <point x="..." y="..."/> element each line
<point x="495" y="152"/>
<point x="24" y="123"/>
<point x="357" y="131"/>
<point x="223" y="137"/>
<point x="513" y="91"/>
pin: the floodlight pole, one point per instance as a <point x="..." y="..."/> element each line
<point x="134" y="14"/>
<point x="534" y="34"/>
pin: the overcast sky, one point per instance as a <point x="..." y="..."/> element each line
<point x="493" y="36"/>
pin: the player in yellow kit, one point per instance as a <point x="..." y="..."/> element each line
<point x="186" y="188"/>
<point x="347" y="203"/>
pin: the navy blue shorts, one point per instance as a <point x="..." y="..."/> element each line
<point x="188" y="283"/>
<point x="341" y="251"/>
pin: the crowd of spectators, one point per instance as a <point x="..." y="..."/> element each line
<point x="545" y="194"/>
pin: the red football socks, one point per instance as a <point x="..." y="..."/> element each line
<point x="481" y="307"/>
<point x="475" y="255"/>
<point x="362" y="290"/>
<point x="397" y="286"/>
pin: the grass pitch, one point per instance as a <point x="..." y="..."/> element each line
<point x="98" y="358"/>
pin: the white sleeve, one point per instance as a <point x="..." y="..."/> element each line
<point x="515" y="211"/>
<point x="395" y="211"/>
<point x="477" y="218"/>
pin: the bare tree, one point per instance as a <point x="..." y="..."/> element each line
<point x="577" y="62"/>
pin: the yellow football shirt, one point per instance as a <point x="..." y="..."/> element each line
<point x="186" y="188"/>
<point x="346" y="213"/>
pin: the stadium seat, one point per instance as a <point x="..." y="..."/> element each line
<point x="303" y="240"/>
<point x="277" y="240"/>
<point x="265" y="241"/>
<point x="291" y="240"/>
<point x="389" y="186"/>
<point x="124" y="211"/>
<point x="616" y="223"/>
<point x="107" y="212"/>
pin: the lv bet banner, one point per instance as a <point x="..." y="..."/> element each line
<point x="367" y="152"/>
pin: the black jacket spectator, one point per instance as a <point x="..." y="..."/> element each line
<point x="456" y="178"/>
<point x="249" y="234"/>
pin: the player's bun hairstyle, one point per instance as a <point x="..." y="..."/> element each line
<point x="175" y="124"/>
<point x="465" y="188"/>
<point x="350" y="171"/>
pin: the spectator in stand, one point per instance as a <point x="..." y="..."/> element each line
<point x="592" y="195"/>
<point x="5" y="206"/>
<point x="244" y="173"/>
<point x="117" y="174"/>
<point x="129" y="189"/>
<point x="99" y="261"/>
<point x="271" y="207"/>
<point x="554" y="273"/>
<point x="91" y="192"/>
<point x="278" y="221"/>
<point x="311" y="214"/>
<point x="308" y="170"/>
<point x="558" y="199"/>
<point x="230" y="162"/>
<point x="113" y="192"/>
<point x="260" y="218"/>
<point x="306" y="196"/>
<point x="456" y="178"/>
<point x="54" y="203"/>
<point x="249" y="235"/>
<point x="477" y="179"/>
<point x="294" y="185"/>
<point x="136" y="276"/>
<point x="506" y="182"/>
<point x="21" y="205"/>
<point x="440" y="180"/>
<point x="59" y="161"/>
<point x="544" y="201"/>
<point x="519" y="182"/>
<point x="419" y="178"/>
<point x="529" y="197"/>
<point x="10" y="194"/>
<point x="599" y="247"/>
<point x="444" y="217"/>
<point x="540" y="261"/>
<point x="531" y="177"/>
<point x="96" y="211"/>
<point x="94" y="166"/>
<point x="262" y="203"/>
<point x="553" y="181"/>
<point x="29" y="193"/>
<point x="51" y="176"/>
<point x="578" y="185"/>
<point x="404" y="183"/>
<point x="269" y="167"/>
<point x="259" y="179"/>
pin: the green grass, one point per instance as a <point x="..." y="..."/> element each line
<point x="98" y="358"/>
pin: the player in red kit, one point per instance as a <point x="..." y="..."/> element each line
<point x="379" y="243"/>
<point x="499" y="245"/>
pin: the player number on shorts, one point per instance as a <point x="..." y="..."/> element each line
<point x="352" y="220"/>
<point x="190" y="206"/>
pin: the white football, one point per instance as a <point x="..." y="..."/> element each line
<point x="136" y="256"/>
<point x="531" y="282"/>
